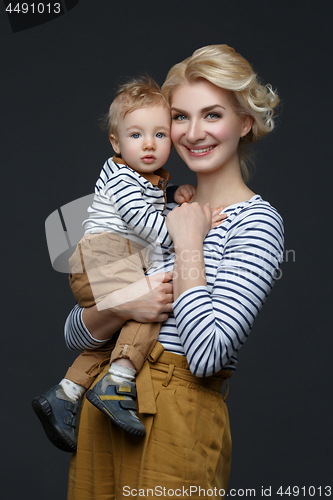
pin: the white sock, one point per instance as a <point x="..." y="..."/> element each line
<point x="121" y="373"/>
<point x="72" y="390"/>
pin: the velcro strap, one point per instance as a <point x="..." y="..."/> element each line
<point x="127" y="390"/>
<point x="128" y="404"/>
<point x="72" y="407"/>
<point x="69" y="421"/>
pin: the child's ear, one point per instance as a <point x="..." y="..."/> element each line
<point x="114" y="142"/>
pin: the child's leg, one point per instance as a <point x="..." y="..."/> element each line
<point x="108" y="263"/>
<point x="58" y="408"/>
<point x="135" y="342"/>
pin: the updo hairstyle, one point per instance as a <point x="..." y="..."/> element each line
<point x="225" y="68"/>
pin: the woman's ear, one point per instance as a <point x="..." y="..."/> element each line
<point x="247" y="125"/>
<point x="114" y="143"/>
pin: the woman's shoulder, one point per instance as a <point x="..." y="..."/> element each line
<point x="254" y="210"/>
<point x="253" y="222"/>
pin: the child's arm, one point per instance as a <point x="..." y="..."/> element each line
<point x="126" y="195"/>
<point x="217" y="216"/>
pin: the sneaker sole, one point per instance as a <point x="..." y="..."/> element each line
<point x="94" y="399"/>
<point x="44" y="412"/>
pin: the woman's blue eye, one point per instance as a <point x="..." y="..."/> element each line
<point x="179" y="118"/>
<point x="160" y="135"/>
<point x="135" y="135"/>
<point x="213" y="115"/>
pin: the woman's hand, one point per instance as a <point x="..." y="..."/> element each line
<point x="188" y="226"/>
<point x="189" y="223"/>
<point x="153" y="306"/>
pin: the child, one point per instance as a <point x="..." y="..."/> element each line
<point x="125" y="217"/>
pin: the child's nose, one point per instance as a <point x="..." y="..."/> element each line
<point x="149" y="143"/>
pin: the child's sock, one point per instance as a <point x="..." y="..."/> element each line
<point x="72" y="390"/>
<point x="121" y="373"/>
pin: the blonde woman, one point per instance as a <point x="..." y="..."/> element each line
<point x="221" y="278"/>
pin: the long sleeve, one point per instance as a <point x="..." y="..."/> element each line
<point x="77" y="337"/>
<point x="127" y="203"/>
<point x="126" y="196"/>
<point x="213" y="322"/>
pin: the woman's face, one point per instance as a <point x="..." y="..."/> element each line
<point x="205" y="129"/>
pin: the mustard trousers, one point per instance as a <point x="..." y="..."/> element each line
<point x="187" y="448"/>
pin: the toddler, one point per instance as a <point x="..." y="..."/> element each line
<point x="125" y="223"/>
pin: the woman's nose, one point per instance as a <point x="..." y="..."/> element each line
<point x="195" y="131"/>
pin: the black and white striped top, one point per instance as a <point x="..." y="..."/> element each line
<point x="210" y="323"/>
<point x="126" y="203"/>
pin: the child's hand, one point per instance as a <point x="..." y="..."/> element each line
<point x="184" y="193"/>
<point x="217" y="217"/>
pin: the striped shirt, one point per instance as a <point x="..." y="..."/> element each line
<point x="128" y="204"/>
<point x="210" y="323"/>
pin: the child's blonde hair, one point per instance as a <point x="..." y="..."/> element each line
<point x="137" y="93"/>
<point x="225" y="68"/>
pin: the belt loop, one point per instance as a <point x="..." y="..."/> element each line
<point x="169" y="375"/>
<point x="227" y="391"/>
<point x="156" y="352"/>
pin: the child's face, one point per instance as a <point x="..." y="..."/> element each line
<point x="143" y="138"/>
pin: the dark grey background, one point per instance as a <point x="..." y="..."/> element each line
<point x="57" y="80"/>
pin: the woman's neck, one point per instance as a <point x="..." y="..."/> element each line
<point x="221" y="189"/>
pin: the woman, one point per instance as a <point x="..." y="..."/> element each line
<point x="221" y="277"/>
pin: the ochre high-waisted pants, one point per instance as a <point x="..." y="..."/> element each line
<point x="187" y="445"/>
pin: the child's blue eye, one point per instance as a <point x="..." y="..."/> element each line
<point x="135" y="135"/>
<point x="160" y="135"/>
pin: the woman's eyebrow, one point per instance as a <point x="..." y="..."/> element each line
<point x="203" y="110"/>
<point x="209" y="108"/>
<point x="177" y="109"/>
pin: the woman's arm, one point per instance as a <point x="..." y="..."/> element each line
<point x="89" y="328"/>
<point x="214" y="320"/>
<point x="188" y="226"/>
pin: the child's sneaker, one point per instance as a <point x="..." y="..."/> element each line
<point x="58" y="415"/>
<point x="117" y="401"/>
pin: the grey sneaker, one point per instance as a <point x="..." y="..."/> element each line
<point x="117" y="401"/>
<point x="58" y="415"/>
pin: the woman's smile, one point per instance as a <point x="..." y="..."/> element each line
<point x="200" y="151"/>
<point x="205" y="128"/>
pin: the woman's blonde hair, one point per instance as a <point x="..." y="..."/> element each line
<point x="225" y="68"/>
<point x="136" y="93"/>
